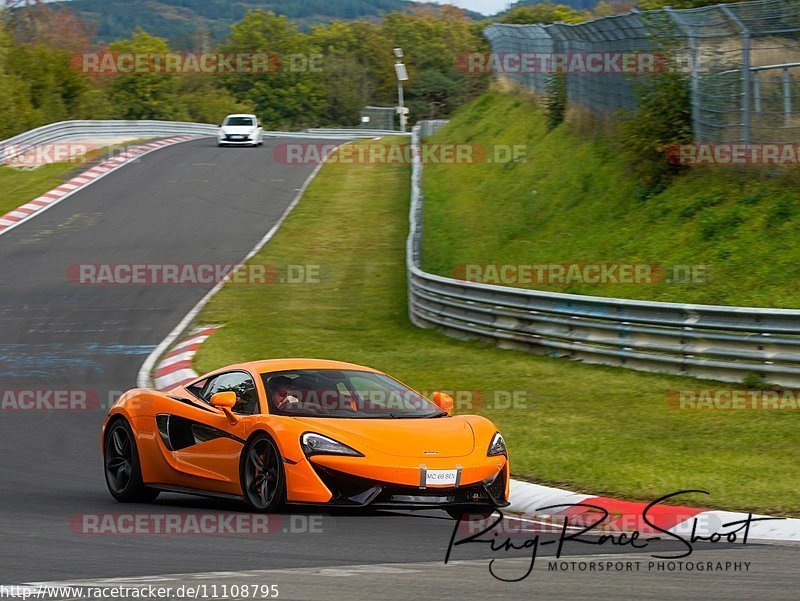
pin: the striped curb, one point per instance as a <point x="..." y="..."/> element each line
<point x="542" y="502"/>
<point x="49" y="199"/>
<point x="175" y="368"/>
<point x="532" y="499"/>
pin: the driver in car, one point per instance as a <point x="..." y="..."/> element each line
<point x="278" y="387"/>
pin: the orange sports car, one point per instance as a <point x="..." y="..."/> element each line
<point x="304" y="431"/>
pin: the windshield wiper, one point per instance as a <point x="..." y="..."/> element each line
<point x="397" y="416"/>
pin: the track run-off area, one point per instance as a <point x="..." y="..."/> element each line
<point x="189" y="204"/>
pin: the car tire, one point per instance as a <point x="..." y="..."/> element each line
<point x="122" y="467"/>
<point x="262" y="476"/>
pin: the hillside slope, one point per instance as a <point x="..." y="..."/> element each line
<point x="574" y="202"/>
<point x="185" y="22"/>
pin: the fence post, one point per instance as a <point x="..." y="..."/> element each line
<point x="746" y="86"/>
<point x="787" y="98"/>
<point x="694" y="73"/>
<point x="745" y="71"/>
<point x="757" y="92"/>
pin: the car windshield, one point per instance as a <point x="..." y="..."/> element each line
<point x="343" y="393"/>
<point x="234" y="121"/>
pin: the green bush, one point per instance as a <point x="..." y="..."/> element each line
<point x="556" y="101"/>
<point x="662" y="119"/>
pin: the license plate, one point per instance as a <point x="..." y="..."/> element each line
<point x="441" y="477"/>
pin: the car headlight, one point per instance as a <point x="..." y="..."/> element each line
<point x="317" y="444"/>
<point x="497" y="446"/>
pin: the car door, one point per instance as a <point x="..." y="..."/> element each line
<point x="201" y="442"/>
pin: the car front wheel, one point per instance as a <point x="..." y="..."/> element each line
<point x="263" y="476"/>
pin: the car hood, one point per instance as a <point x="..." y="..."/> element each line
<point x="419" y="438"/>
<point x="238" y="129"/>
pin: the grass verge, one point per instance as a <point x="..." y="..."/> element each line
<point x="23" y="185"/>
<point x="574" y="200"/>
<point x="595" y="429"/>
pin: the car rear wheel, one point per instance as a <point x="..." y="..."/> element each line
<point x="122" y="467"/>
<point x="263" y="476"/>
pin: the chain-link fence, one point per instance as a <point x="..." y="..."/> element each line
<point x="742" y="63"/>
<point x="378" y="117"/>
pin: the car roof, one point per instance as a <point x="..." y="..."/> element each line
<point x="271" y="365"/>
<point x="240" y="115"/>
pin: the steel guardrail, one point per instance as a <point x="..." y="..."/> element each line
<point x="705" y="341"/>
<point x="100" y="129"/>
<point x="82" y="130"/>
<point x="360" y="132"/>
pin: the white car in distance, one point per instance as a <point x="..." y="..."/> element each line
<point x="240" y="130"/>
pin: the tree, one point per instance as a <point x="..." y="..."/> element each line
<point x="291" y="94"/>
<point x="59" y="27"/>
<point x="37" y="82"/>
<point x="603" y="9"/>
<point x="53" y="88"/>
<point x="207" y="102"/>
<point x="546" y="12"/>
<point x="147" y="94"/>
<point x="433" y="43"/>
<point x="15" y="108"/>
<point x="654" y="4"/>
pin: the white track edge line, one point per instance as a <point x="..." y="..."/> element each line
<point x="144" y="379"/>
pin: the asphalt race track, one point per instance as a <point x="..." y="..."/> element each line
<point x="196" y="203"/>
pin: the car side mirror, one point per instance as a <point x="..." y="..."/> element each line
<point x="226" y="402"/>
<point x="443" y="401"/>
